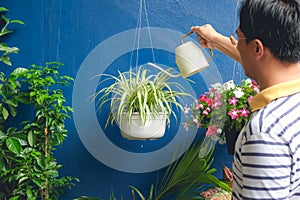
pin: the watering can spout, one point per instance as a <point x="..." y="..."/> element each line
<point x="164" y="71"/>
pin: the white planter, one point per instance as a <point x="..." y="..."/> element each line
<point x="154" y="128"/>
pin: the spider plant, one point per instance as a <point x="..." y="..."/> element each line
<point x="139" y="92"/>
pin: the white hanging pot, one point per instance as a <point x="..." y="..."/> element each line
<point x="154" y="127"/>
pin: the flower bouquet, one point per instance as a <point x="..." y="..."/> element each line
<point x="223" y="110"/>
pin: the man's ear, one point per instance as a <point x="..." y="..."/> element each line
<point x="259" y="48"/>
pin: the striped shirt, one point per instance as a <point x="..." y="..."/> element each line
<point x="267" y="154"/>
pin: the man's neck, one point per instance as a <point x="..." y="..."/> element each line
<point x="277" y="72"/>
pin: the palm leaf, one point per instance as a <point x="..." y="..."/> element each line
<point x="188" y="175"/>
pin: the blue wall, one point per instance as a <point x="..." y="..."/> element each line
<point x="95" y="36"/>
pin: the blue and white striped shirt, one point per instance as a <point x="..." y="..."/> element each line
<point x="267" y="154"/>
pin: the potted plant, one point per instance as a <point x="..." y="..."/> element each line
<point x="223" y="110"/>
<point x="141" y="103"/>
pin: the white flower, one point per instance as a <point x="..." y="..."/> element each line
<point x="228" y="85"/>
<point x="238" y="92"/>
<point x="248" y="80"/>
<point x="216" y="86"/>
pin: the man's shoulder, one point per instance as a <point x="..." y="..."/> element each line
<point x="279" y="117"/>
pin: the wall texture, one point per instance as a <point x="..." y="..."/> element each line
<point x="96" y="36"/>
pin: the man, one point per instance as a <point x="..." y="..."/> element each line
<point x="267" y="152"/>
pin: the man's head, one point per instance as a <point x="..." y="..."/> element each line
<point x="276" y="23"/>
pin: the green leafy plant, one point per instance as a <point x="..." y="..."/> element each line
<point x="9" y="86"/>
<point x="188" y="175"/>
<point x="139" y="92"/>
<point x="4" y="48"/>
<point x="10" y="95"/>
<point x="186" y="178"/>
<point x="28" y="168"/>
<point x="136" y="190"/>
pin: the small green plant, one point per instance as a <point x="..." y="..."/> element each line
<point x="4" y="48"/>
<point x="136" y="190"/>
<point x="139" y="92"/>
<point x="28" y="168"/>
<point x="10" y="95"/>
<point x="186" y="177"/>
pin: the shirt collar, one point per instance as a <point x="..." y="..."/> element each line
<point x="271" y="93"/>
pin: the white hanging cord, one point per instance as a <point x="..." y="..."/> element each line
<point x="137" y="36"/>
<point x="236" y="68"/>
<point x="137" y="32"/>
<point x="148" y="28"/>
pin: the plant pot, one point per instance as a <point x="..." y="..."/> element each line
<point x="231" y="137"/>
<point x="154" y="127"/>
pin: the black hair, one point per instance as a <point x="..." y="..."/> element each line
<point x="276" y="23"/>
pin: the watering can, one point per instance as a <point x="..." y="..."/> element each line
<point x="189" y="58"/>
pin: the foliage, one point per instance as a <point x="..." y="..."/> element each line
<point x="188" y="175"/>
<point x="28" y="168"/>
<point x="223" y="108"/>
<point x="139" y="92"/>
<point x="4" y="49"/>
<point x="10" y="95"/>
<point x="136" y="190"/>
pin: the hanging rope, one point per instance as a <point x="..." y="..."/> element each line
<point x="137" y="36"/>
<point x="148" y="29"/>
<point x="236" y="66"/>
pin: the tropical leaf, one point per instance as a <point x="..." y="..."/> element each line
<point x="13" y="145"/>
<point x="186" y="176"/>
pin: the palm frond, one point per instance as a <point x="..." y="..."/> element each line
<point x="188" y="175"/>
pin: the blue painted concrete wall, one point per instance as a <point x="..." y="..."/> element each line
<point x="95" y="36"/>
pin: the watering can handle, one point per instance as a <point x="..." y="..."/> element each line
<point x="185" y="35"/>
<point x="210" y="50"/>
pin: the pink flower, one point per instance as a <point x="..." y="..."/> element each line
<point x="195" y="121"/>
<point x="233" y="113"/>
<point x="244" y="112"/>
<point x="205" y="99"/>
<point x="186" y="109"/>
<point x="216" y="105"/>
<point x="218" y="96"/>
<point x="233" y="101"/>
<point x="186" y="126"/>
<point x="199" y="106"/>
<point x="211" y="130"/>
<point x="250" y="98"/>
